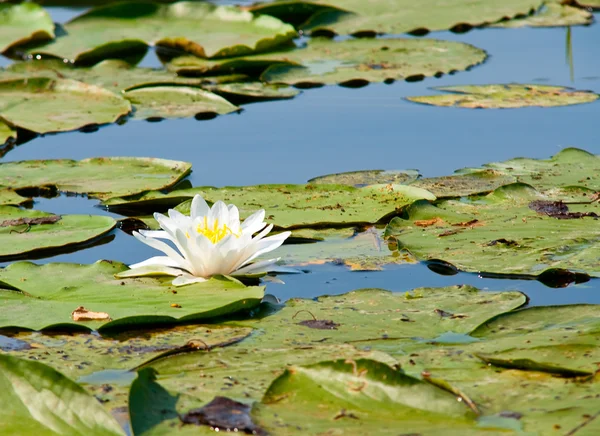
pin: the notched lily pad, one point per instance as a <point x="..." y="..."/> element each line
<point x="43" y="297"/>
<point x="367" y="177"/>
<point x="100" y="177"/>
<point x="44" y="105"/>
<point x="120" y="29"/>
<point x="158" y="102"/>
<point x="26" y="232"/>
<point x="22" y="24"/>
<point x="506" y="96"/>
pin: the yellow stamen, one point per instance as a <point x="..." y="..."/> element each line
<point x="217" y="233"/>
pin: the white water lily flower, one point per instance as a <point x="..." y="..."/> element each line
<point x="208" y="242"/>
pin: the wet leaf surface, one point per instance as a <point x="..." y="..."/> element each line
<point x="506" y="96"/>
<point x="23" y="23"/>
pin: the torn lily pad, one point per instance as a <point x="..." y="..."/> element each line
<point x="552" y="15"/>
<point x="25" y="232"/>
<point x="506" y="96"/>
<point x="22" y="24"/>
<point x="357" y="17"/>
<point x="36" y="297"/>
<point x="97" y="177"/>
<point x="500" y="233"/>
<point x="159" y="102"/>
<point x="117" y="30"/>
<point x="44" y="105"/>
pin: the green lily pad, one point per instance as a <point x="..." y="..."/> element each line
<point x="37" y="297"/>
<point x="357" y="17"/>
<point x="254" y="91"/>
<point x="112" y="74"/>
<point x="9" y="197"/>
<point x="500" y="233"/>
<point x="36" y="399"/>
<point x="367" y="177"/>
<point x="506" y="96"/>
<point x="115" y="30"/>
<point x="44" y="105"/>
<point x="351" y="62"/>
<point x="460" y="185"/>
<point x="26" y="232"/>
<point x="569" y="167"/>
<point x="359" y="61"/>
<point x="7" y="134"/>
<point x="176" y="102"/>
<point x="101" y="177"/>
<point x="594" y="4"/>
<point x="22" y="24"/>
<point x="350" y="396"/>
<point x="552" y="15"/>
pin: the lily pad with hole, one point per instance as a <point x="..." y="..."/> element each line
<point x="44" y="105"/>
<point x="26" y="232"/>
<point x="571" y="167"/>
<point x="100" y="177"/>
<point x="116" y="30"/>
<point x="23" y="24"/>
<point x="552" y="15"/>
<point x="506" y="96"/>
<point x="504" y="232"/>
<point x="352" y="62"/>
<point x="36" y="297"/>
<point x="357" y="17"/>
<point x="176" y="102"/>
<point x="36" y="399"/>
<point x="367" y="177"/>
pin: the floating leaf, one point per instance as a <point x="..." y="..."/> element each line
<point x="500" y="233"/>
<point x="7" y="134"/>
<point x="367" y="177"/>
<point x="43" y="296"/>
<point x="44" y="105"/>
<point x="569" y="167"/>
<point x="117" y="30"/>
<point x="594" y="4"/>
<point x="22" y="24"/>
<point x="98" y="177"/>
<point x="254" y="91"/>
<point x="397" y="16"/>
<point x="176" y="102"/>
<point x="36" y="399"/>
<point x="506" y="96"/>
<point x="460" y="185"/>
<point x="10" y="197"/>
<point x="552" y="15"/>
<point x="26" y="232"/>
<point x="352" y="62"/>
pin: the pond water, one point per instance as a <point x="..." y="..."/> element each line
<point x="335" y="129"/>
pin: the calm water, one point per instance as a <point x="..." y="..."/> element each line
<point x="334" y="129"/>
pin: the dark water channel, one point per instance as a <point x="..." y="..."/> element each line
<point x="334" y="129"/>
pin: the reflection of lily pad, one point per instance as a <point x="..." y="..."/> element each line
<point x="25" y="231"/>
<point x="399" y="16"/>
<point x="44" y="105"/>
<point x="352" y="62"/>
<point x="36" y="399"/>
<point x="176" y="102"/>
<point x="22" y="24"/>
<point x="551" y="15"/>
<point x="42" y="296"/>
<point x="367" y="177"/>
<point x="506" y="96"/>
<point x="98" y="177"/>
<point x="115" y="30"/>
<point x="569" y="167"/>
<point x="500" y="233"/>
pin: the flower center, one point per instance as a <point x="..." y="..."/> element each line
<point x="216" y="233"/>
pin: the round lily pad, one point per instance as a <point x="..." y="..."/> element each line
<point x="101" y="177"/>
<point x="44" y="105"/>
<point x="39" y="297"/>
<point x="398" y="16"/>
<point x="176" y="102"/>
<point x="115" y="30"/>
<point x="24" y="232"/>
<point x="22" y="24"/>
<point x="506" y="96"/>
